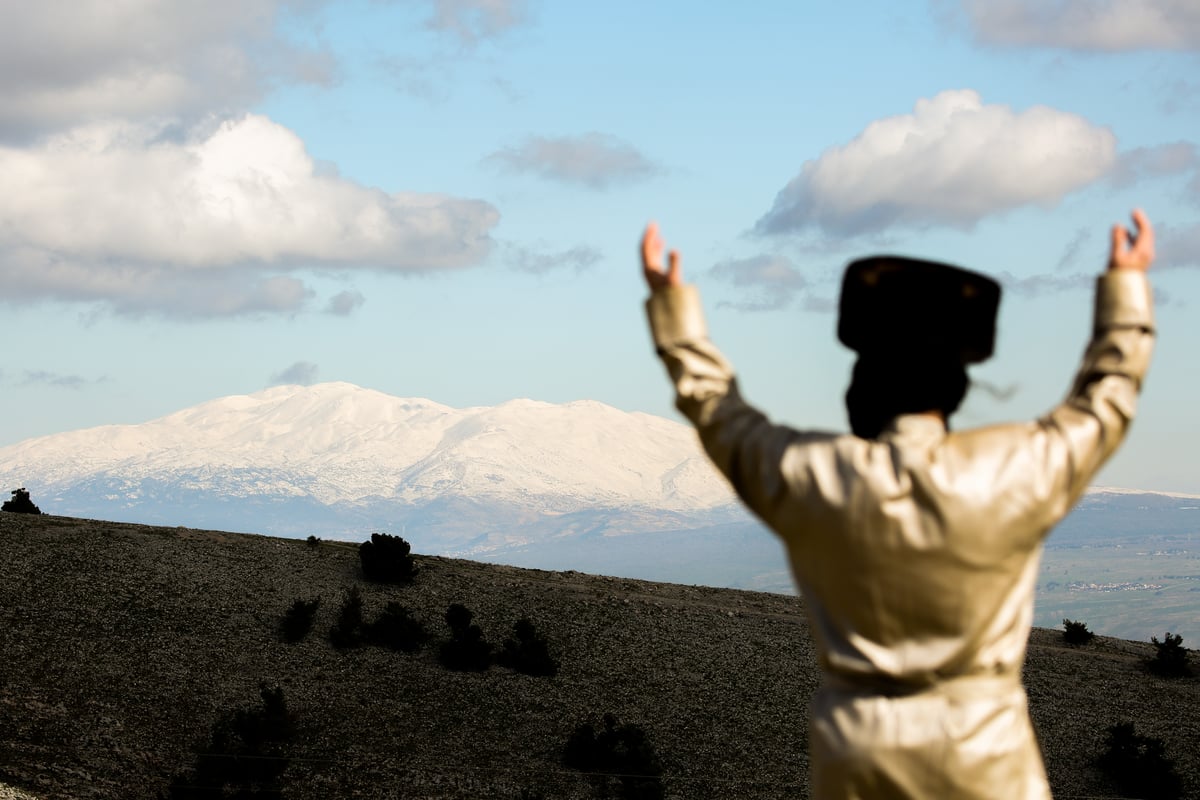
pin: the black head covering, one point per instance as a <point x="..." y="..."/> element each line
<point x="915" y="325"/>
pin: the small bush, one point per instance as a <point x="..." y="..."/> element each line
<point x="1076" y="632"/>
<point x="387" y="559"/>
<point x="528" y="653"/>
<point x="313" y="542"/>
<point x="20" y="503"/>
<point x="348" y="630"/>
<point x="298" y="620"/>
<point x="396" y="629"/>
<point x="466" y="651"/>
<point x="1170" y="657"/>
<point x="620" y="757"/>
<point x="1139" y="765"/>
<point x="246" y="756"/>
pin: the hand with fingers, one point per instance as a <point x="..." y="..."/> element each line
<point x="1132" y="250"/>
<point x="658" y="277"/>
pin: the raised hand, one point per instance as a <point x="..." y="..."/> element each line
<point x="652" y="261"/>
<point x="1132" y="250"/>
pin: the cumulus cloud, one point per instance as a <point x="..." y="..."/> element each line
<point x="1100" y="25"/>
<point x="1163" y="160"/>
<point x="594" y="160"/>
<point x="135" y="179"/>
<point x="303" y="373"/>
<point x="70" y="62"/>
<point x="115" y="212"/>
<point x="345" y="303"/>
<point x="538" y="262"/>
<point x="473" y="20"/>
<point x="953" y="161"/>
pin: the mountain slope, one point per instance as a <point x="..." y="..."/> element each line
<point x="122" y="645"/>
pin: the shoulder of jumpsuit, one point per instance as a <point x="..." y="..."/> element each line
<point x="676" y="315"/>
<point x="1124" y="299"/>
<point x="829" y="455"/>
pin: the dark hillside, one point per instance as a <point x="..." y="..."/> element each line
<point x="121" y="646"/>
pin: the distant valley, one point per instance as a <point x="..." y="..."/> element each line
<point x="579" y="486"/>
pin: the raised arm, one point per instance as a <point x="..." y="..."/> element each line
<point x="1093" y="420"/>
<point x="743" y="444"/>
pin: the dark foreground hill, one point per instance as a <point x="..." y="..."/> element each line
<point x="122" y="647"/>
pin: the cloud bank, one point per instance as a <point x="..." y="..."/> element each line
<point x="69" y="62"/>
<point x="1095" y="25"/>
<point x="593" y="160"/>
<point x="111" y="211"/>
<point x="952" y="161"/>
<point x="135" y="178"/>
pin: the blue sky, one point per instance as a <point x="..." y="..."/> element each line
<point x="443" y="198"/>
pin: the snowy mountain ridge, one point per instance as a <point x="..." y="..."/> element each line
<point x="336" y="443"/>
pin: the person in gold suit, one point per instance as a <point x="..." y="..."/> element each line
<point x="914" y="547"/>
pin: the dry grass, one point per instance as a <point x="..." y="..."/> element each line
<point x="122" y="644"/>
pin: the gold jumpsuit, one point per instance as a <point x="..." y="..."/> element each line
<point x="917" y="554"/>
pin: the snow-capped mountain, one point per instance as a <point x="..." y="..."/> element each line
<point x="537" y="485"/>
<point x="526" y="482"/>
<point x="337" y="460"/>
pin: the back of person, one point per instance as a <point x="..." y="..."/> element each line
<point x="916" y="549"/>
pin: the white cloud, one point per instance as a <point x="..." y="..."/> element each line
<point x="1102" y="25"/>
<point x="594" y="160"/>
<point x="114" y="212"/>
<point x="134" y="178"/>
<point x="303" y="373"/>
<point x="69" y="62"/>
<point x="953" y="161"/>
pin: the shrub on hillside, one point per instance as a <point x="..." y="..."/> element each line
<point x="528" y="652"/>
<point x="20" y="503"/>
<point x="387" y="559"/>
<point x="313" y="542"/>
<point x="1170" y="657"/>
<point x="1139" y="765"/>
<point x="466" y="651"/>
<point x="396" y="629"/>
<point x="245" y="757"/>
<point x="1076" y="632"/>
<point x="619" y="758"/>
<point x="298" y="620"/>
<point x="348" y="630"/>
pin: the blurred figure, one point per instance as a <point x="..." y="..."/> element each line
<point x="916" y="549"/>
